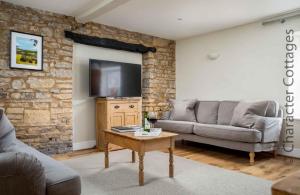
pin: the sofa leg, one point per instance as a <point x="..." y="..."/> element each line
<point x="252" y="155"/>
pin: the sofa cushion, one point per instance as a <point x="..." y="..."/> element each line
<point x="7" y="132"/>
<point x="175" y="126"/>
<point x="5" y="125"/>
<point x="225" y="112"/>
<point x="244" y="112"/>
<point x="227" y="132"/>
<point x="7" y="140"/>
<point x="207" y="112"/>
<point x="165" y="115"/>
<point x="21" y="173"/>
<point x="272" y="109"/>
<point x="183" y="110"/>
<point x="60" y="179"/>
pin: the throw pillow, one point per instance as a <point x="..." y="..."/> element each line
<point x="245" y="112"/>
<point x="183" y="110"/>
<point x="165" y="115"/>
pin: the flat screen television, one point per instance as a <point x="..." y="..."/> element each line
<point x="114" y="79"/>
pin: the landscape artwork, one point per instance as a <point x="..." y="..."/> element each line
<point x="26" y="51"/>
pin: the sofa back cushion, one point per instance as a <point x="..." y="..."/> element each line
<point x="183" y="110"/>
<point x="225" y="112"/>
<point x="5" y="125"/>
<point x="207" y="112"/>
<point x="165" y="115"/>
<point x="245" y="112"/>
<point x="7" y="132"/>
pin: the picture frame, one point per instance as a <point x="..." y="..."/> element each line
<point x="26" y="51"/>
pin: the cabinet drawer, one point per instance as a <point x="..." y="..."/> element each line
<point x="125" y="107"/>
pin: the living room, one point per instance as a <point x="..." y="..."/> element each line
<point x="209" y="88"/>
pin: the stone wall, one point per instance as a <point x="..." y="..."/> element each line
<point x="158" y="68"/>
<point x="38" y="103"/>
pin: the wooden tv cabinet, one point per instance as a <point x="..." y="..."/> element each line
<point x="116" y="112"/>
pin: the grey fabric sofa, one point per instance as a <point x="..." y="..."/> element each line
<point x="24" y="170"/>
<point x="213" y="127"/>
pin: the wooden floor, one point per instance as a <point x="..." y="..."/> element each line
<point x="265" y="166"/>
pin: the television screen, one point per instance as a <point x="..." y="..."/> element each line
<point x="114" y="79"/>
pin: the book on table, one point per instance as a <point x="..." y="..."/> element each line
<point x="132" y="128"/>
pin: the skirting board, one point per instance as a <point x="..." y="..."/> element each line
<point x="295" y="153"/>
<point x="84" y="145"/>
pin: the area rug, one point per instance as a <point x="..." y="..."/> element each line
<point x="190" y="177"/>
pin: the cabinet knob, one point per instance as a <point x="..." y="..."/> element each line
<point x="131" y="106"/>
<point x="116" y="106"/>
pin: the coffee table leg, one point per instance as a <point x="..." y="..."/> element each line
<point x="141" y="169"/>
<point x="171" y="163"/>
<point x="133" y="156"/>
<point x="106" y="161"/>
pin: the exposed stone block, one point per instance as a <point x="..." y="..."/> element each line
<point x="37" y="117"/>
<point x="15" y="110"/>
<point x="18" y="84"/>
<point x="37" y="83"/>
<point x="63" y="96"/>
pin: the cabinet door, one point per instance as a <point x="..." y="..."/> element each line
<point x="117" y="119"/>
<point x="131" y="119"/>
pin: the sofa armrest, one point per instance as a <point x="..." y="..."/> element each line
<point x="21" y="173"/>
<point x="270" y="127"/>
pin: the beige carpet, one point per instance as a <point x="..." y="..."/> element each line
<point x="190" y="177"/>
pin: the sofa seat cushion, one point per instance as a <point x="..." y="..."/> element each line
<point x="227" y="132"/>
<point x="175" y="126"/>
<point x="60" y="179"/>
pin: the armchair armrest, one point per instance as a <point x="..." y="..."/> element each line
<point x="21" y="173"/>
<point x="270" y="127"/>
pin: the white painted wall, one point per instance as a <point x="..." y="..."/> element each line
<point x="250" y="66"/>
<point x="84" y="130"/>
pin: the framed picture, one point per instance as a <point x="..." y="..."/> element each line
<point x="26" y="51"/>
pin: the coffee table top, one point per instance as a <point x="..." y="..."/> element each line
<point x="130" y="135"/>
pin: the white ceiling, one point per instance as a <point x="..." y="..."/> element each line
<point x="160" y="17"/>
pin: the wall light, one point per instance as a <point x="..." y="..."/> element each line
<point x="213" y="56"/>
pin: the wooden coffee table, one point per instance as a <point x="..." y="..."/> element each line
<point x="141" y="145"/>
